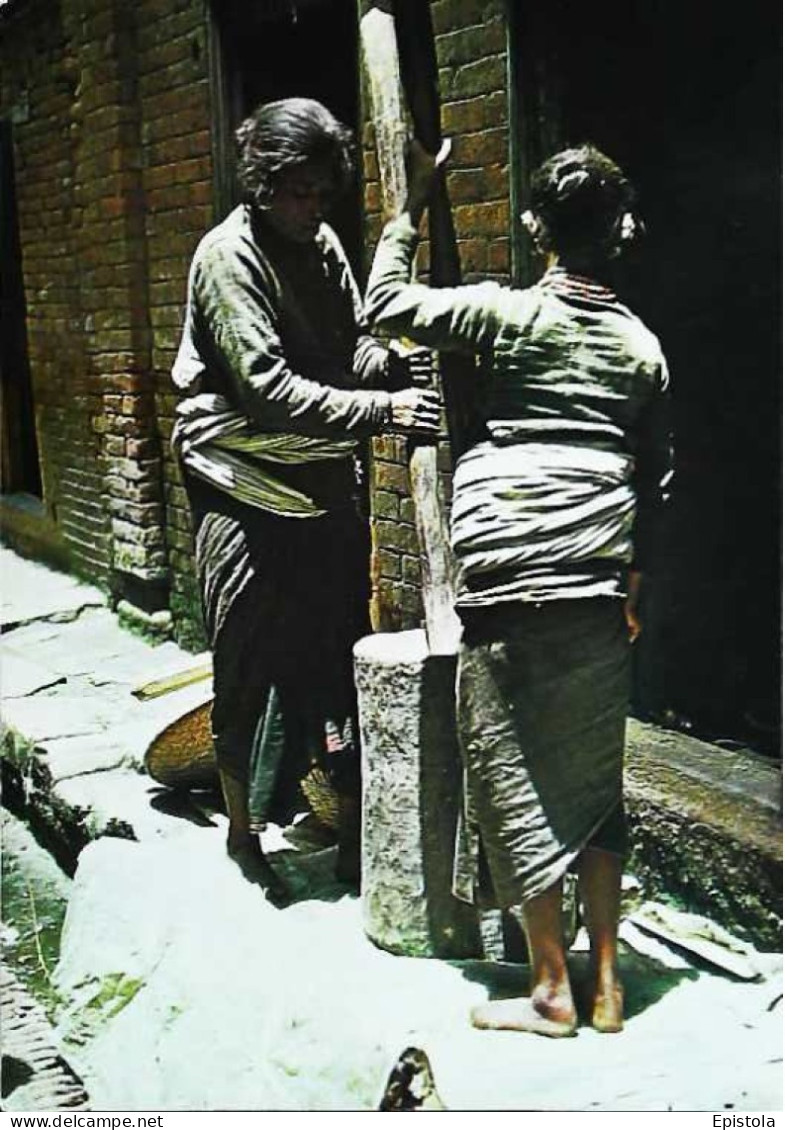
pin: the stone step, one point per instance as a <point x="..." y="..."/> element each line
<point x="706" y="829"/>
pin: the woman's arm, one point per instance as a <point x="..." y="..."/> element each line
<point x="240" y="320"/>
<point x="370" y="360"/>
<point x="634" y="625"/>
<point x="464" y="318"/>
<point x="652" y="482"/>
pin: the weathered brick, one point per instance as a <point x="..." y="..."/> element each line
<point x="179" y="520"/>
<point x="385" y="504"/>
<point x="411" y="606"/>
<point x="127" y="426"/>
<point x="483" y="219"/>
<point x="475" y="150"/>
<point x="391" y="447"/>
<point x="180" y="537"/>
<point x="407" y="511"/>
<point x="474" y="254"/>
<point x="114" y="445"/>
<point x="140" y="560"/>
<point x="467" y="44"/>
<point x="133" y="471"/>
<point x="139" y="513"/>
<point x="373" y="196"/>
<point x="444" y="463"/>
<point x="141" y="448"/>
<point x="396" y="536"/>
<point x="175" y="496"/>
<point x="194" y="144"/>
<point x="136" y="535"/>
<point x="499" y="255"/>
<point x="449" y="14"/>
<point x="391" y="476"/>
<point x="389" y="564"/>
<point x="411" y="571"/>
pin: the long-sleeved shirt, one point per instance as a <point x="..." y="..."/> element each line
<point x="279" y="376"/>
<point x="563" y="493"/>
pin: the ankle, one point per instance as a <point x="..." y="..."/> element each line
<point x="241" y="840"/>
<point x="604" y="958"/>
<point x="554" y="1001"/>
<point x="605" y="975"/>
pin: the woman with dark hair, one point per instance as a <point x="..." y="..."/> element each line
<point x="280" y="382"/>
<point x="554" y="514"/>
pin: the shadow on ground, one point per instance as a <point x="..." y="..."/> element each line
<point x="303" y="855"/>
<point x="645" y="981"/>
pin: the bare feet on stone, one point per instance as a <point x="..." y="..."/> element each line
<point x="552" y="1016"/>
<point x="601" y="1000"/>
<point x="607" y="1004"/>
<point x="247" y="853"/>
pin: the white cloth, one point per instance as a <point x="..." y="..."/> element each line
<point x="218" y="445"/>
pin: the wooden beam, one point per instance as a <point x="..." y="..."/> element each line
<point x="389" y="114"/>
<point x="420" y="78"/>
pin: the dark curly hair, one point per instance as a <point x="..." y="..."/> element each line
<point x="280" y="135"/>
<point x="581" y="196"/>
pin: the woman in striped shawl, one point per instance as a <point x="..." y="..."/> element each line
<point x="554" y="515"/>
<point x="280" y="383"/>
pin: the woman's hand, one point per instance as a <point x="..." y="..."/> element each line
<point x="634" y="625"/>
<point x="409" y="365"/>
<point x="422" y="168"/>
<point x="419" y="366"/>
<point x="415" y="410"/>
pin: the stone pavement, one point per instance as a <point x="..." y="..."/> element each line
<point x="74" y="735"/>
<point x="181" y="988"/>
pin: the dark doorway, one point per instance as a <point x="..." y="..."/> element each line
<point x="687" y="98"/>
<point x="285" y="49"/>
<point x="21" y="472"/>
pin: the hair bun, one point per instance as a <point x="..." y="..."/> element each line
<point x="629" y="227"/>
<point x="568" y="182"/>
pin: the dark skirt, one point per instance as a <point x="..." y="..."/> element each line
<point x="284" y="600"/>
<point x="542" y="704"/>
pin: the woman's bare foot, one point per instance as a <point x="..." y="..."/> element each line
<point x="246" y="852"/>
<point x="607" y="1005"/>
<point x="600" y="999"/>
<point x="543" y="1014"/>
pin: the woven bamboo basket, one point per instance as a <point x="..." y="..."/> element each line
<point x="323" y="800"/>
<point x="181" y="756"/>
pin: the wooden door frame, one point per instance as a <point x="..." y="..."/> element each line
<point x="21" y="467"/>
<point x="536" y="130"/>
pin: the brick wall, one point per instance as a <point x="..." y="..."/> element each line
<point x="38" y="85"/>
<point x="177" y="174"/>
<point x="471" y="38"/>
<point x="109" y="244"/>
<point x="110" y="110"/>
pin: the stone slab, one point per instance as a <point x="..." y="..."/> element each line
<point x="749" y="778"/>
<point x="20" y="676"/>
<point x="694" y="1042"/>
<point x="114" y="802"/>
<point x="43" y="718"/>
<point x="152" y="934"/>
<point x="706" y="829"/>
<point x="37" y="865"/>
<point x="92" y="753"/>
<point x="29" y="591"/>
<point x="95" y="645"/>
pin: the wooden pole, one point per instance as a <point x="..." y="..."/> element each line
<point x="388" y="109"/>
<point x="420" y="77"/>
